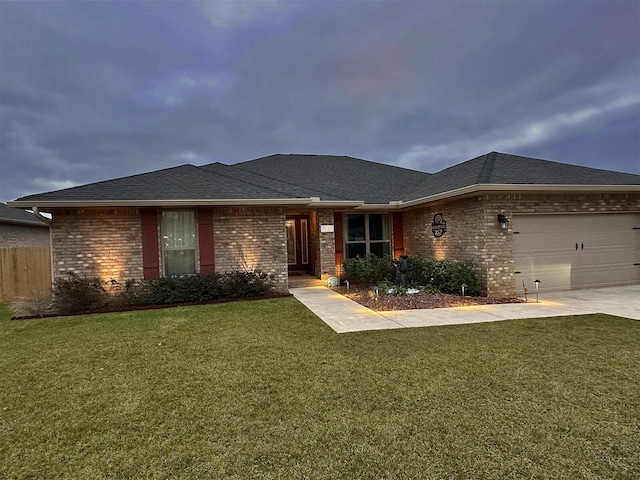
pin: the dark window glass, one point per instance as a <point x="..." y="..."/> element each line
<point x="355" y="229"/>
<point x="380" y="249"/>
<point x="356" y="250"/>
<point x="376" y="229"/>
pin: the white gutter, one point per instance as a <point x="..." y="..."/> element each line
<point x="157" y="203"/>
<point x="317" y="202"/>
<point x="511" y="187"/>
<point x="311" y="201"/>
<point x="394" y="205"/>
<point x="336" y="203"/>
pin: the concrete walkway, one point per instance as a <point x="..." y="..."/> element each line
<point x="344" y="315"/>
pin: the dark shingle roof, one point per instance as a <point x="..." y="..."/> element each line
<point x="328" y="177"/>
<point x="185" y="182"/>
<point x="504" y="169"/>
<point x="284" y="188"/>
<point x="342" y="177"/>
<point x="18" y="216"/>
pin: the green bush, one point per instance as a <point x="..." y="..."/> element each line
<point x="369" y="270"/>
<point x="446" y="276"/>
<point x="203" y="288"/>
<point x="430" y="274"/>
<point x="245" y="284"/>
<point x="76" y="294"/>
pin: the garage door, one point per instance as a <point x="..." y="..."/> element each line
<point x="576" y="251"/>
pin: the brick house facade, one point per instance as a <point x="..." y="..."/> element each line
<point x="240" y="215"/>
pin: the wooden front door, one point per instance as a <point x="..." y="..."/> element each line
<point x="298" y="244"/>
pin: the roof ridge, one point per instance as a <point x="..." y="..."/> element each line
<point x="335" y="156"/>
<point x="487" y="168"/>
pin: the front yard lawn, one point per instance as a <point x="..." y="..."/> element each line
<point x="266" y="390"/>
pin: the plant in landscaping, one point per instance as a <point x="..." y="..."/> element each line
<point x="389" y="288"/>
<point x="202" y="288"/>
<point x="427" y="274"/>
<point x="76" y="294"/>
<point x="369" y="270"/>
<point x="36" y="305"/>
<point x="444" y="275"/>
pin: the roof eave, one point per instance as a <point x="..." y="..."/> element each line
<point x="159" y="203"/>
<point x="309" y="201"/>
<point x="27" y="223"/>
<point x="512" y="187"/>
<point x="316" y="202"/>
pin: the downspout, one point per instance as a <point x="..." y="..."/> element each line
<point x="37" y="213"/>
<point x="48" y="221"/>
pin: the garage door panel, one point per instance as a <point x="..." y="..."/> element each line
<point x="607" y="248"/>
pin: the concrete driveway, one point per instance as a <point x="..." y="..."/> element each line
<point x="344" y="315"/>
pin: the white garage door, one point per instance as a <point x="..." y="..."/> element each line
<point x="576" y="251"/>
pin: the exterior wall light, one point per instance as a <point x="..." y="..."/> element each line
<point x="503" y="221"/>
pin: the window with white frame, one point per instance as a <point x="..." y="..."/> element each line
<point x="366" y="233"/>
<point x="178" y="242"/>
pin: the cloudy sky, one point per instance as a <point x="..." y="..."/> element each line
<point x="98" y="90"/>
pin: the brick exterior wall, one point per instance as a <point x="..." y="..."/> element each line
<point x="14" y="235"/>
<point x="314" y="244"/>
<point x="473" y="231"/>
<point x="251" y="238"/>
<point x="106" y="243"/>
<point x="327" y="248"/>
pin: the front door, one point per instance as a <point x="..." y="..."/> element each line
<point x="298" y="244"/>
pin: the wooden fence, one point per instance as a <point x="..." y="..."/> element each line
<point x="24" y="271"/>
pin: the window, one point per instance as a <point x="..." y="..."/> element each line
<point x="178" y="242"/>
<point x="366" y="233"/>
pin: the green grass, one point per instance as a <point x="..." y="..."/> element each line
<point x="266" y="390"/>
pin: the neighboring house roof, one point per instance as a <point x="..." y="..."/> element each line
<point x="284" y="179"/>
<point x="18" y="216"/>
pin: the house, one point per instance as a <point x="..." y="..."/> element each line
<point x="19" y="228"/>
<point x="518" y="219"/>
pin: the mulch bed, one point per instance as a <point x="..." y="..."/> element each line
<point x="388" y="302"/>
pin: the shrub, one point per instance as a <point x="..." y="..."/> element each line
<point x="369" y="270"/>
<point x="133" y="293"/>
<point x="76" y="294"/>
<point x="430" y="274"/>
<point x="36" y="305"/>
<point x="202" y="288"/>
<point x="245" y="284"/>
<point x="446" y="276"/>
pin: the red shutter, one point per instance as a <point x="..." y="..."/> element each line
<point x="205" y="240"/>
<point x="338" y="235"/>
<point x="398" y="235"/>
<point x="150" y="253"/>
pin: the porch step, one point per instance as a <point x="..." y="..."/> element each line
<point x="301" y="281"/>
